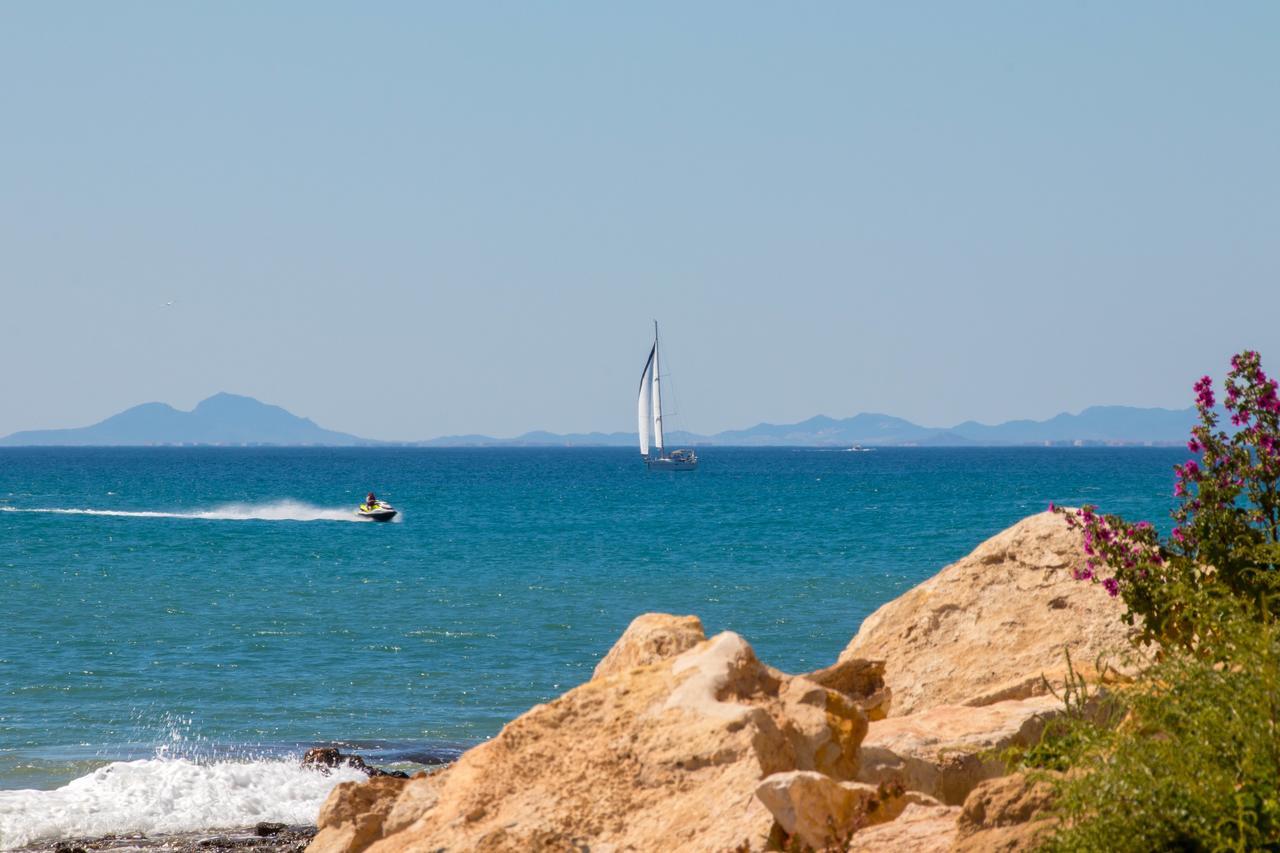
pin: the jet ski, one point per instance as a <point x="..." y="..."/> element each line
<point x="377" y="511"/>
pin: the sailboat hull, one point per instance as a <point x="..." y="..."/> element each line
<point x="666" y="463"/>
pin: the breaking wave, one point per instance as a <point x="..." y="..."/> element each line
<point x="158" y="795"/>
<point x="276" y="511"/>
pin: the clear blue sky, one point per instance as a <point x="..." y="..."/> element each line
<point x="406" y="220"/>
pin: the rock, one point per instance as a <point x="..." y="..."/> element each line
<point x="985" y="629"/>
<point x="1010" y="815"/>
<point x="324" y="757"/>
<point x="651" y="637"/>
<point x="353" y="816"/>
<point x="947" y="751"/>
<point x="919" y="829"/>
<point x="266" y="828"/>
<point x="661" y="756"/>
<point x="822" y="812"/>
<point x="861" y="679"/>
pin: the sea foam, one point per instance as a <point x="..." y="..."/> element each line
<point x="160" y="795"/>
<point x="285" y="510"/>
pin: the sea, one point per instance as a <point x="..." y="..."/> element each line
<point x="178" y="625"/>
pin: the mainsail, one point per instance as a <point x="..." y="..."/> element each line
<point x="644" y="405"/>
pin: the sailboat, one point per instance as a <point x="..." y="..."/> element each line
<point x="649" y="414"/>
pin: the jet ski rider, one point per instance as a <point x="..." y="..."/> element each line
<point x="372" y="501"/>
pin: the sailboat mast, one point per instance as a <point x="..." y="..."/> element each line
<point x="657" y="395"/>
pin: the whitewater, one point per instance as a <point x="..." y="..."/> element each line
<point x="165" y="795"/>
<point x="284" y="510"/>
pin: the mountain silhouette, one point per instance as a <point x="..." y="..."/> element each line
<point x="221" y="419"/>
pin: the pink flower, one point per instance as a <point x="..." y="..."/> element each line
<point x="1112" y="587"/>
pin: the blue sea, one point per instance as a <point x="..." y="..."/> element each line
<point x="200" y="616"/>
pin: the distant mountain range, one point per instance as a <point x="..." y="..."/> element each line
<point x="221" y="419"/>
<point x="229" y="419"/>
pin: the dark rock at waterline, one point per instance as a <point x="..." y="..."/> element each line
<point x="266" y="828"/>
<point x="285" y="839"/>
<point x="324" y="757"/>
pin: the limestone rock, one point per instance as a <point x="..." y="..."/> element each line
<point x="919" y="829"/>
<point x="986" y="628"/>
<point x="665" y="756"/>
<point x="861" y="679"/>
<point x="947" y="751"/>
<point x="1011" y="814"/>
<point x="356" y="811"/>
<point x="651" y="637"/>
<point x="822" y="812"/>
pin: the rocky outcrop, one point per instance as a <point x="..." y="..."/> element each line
<point x="821" y="812"/>
<point x="987" y="628"/>
<point x="919" y="829"/>
<point x="1007" y="815"/>
<point x="666" y="755"/>
<point x="947" y="751"/>
<point x="863" y="679"/>
<point x="651" y="637"/>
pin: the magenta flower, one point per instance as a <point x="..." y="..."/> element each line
<point x="1112" y="587"/>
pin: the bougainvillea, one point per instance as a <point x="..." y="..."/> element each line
<point x="1224" y="547"/>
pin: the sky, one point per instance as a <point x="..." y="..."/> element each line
<point x="406" y="220"/>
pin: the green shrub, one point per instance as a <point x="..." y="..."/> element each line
<point x="1195" y="763"/>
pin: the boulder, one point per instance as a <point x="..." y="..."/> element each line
<point x="651" y="637"/>
<point x="987" y="628"/>
<point x="947" y="751"/>
<point x="1010" y="815"/>
<point x="324" y="757"/>
<point x="662" y="756"/>
<point x="822" y="813"/>
<point x="919" y="829"/>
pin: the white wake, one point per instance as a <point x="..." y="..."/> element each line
<point x="276" y="511"/>
<point x="158" y="795"/>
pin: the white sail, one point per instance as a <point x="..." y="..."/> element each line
<point x="657" y="396"/>
<point x="645" y="401"/>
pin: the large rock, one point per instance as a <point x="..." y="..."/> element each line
<point x="919" y="829"/>
<point x="1009" y="815"/>
<point x="651" y="637"/>
<point x="989" y="627"/>
<point x="947" y="751"/>
<point x="663" y="756"/>
<point x="822" y="813"/>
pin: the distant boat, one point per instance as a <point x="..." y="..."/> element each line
<point x="649" y="413"/>
<point x="858" y="448"/>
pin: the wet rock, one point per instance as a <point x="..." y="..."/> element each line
<point x="324" y="757"/>
<point x="265" y="828"/>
